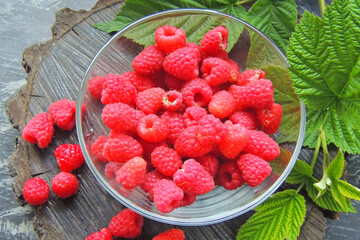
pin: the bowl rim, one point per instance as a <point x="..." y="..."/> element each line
<point x="201" y="221"/>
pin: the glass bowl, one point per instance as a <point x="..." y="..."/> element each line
<point x="251" y="49"/>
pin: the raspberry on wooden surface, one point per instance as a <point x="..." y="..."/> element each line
<point x="215" y="71"/>
<point x="166" y="160"/>
<point x="149" y="61"/>
<point x="229" y="176"/>
<point x="132" y="173"/>
<point x="172" y="234"/>
<point x="169" y="38"/>
<point x="270" y="119"/>
<point x="126" y="224"/>
<point x="36" y="191"/>
<point x="69" y="157"/>
<point x="39" y="129"/>
<point x="234" y="141"/>
<point x="253" y="169"/>
<point x="65" y="184"/>
<point x="214" y="41"/>
<point x="117" y="89"/>
<point x="97" y="148"/>
<point x="150" y="101"/>
<point x="262" y="145"/>
<point x="247" y="119"/>
<point x="172" y="100"/>
<point x="222" y="104"/>
<point x="166" y="195"/>
<point x="249" y="76"/>
<point x="152" y="129"/>
<point x="103" y="234"/>
<point x="197" y="93"/>
<point x="95" y="86"/>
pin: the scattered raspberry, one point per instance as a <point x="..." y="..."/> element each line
<point x="193" y="115"/>
<point x="132" y="173"/>
<point x="166" y="160"/>
<point x="95" y="86"/>
<point x="215" y="71"/>
<point x="210" y="125"/>
<point x="117" y="89"/>
<point x="233" y="70"/>
<point x="148" y="147"/>
<point x="250" y="76"/>
<point x="262" y="145"/>
<point x="187" y="200"/>
<point x="97" y="148"/>
<point x="126" y="224"/>
<point x="151" y="179"/>
<point x="150" y="100"/>
<point x="172" y="100"/>
<point x="197" y="93"/>
<point x="122" y="148"/>
<point x="111" y="169"/>
<point x="149" y="61"/>
<point x="175" y="124"/>
<point x="214" y="41"/>
<point x="253" y="169"/>
<point x="40" y="130"/>
<point x="222" y="104"/>
<point x="151" y="128"/>
<point x="139" y="81"/>
<point x="166" y="195"/>
<point x="64" y="184"/>
<point x="172" y="234"/>
<point x="246" y="119"/>
<point x="173" y="83"/>
<point x="270" y="119"/>
<point x="36" y="191"/>
<point x="210" y="163"/>
<point x="69" y="157"/>
<point x="235" y="140"/>
<point x="169" y="38"/>
<point x="229" y="176"/>
<point x="103" y="234"/>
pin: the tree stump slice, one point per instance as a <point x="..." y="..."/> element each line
<point x="55" y="70"/>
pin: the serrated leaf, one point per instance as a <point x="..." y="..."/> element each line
<point x="300" y="173"/>
<point x="348" y="190"/>
<point x="336" y="166"/>
<point x="337" y="195"/>
<point x="279" y="217"/>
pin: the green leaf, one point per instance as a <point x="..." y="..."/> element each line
<point x="300" y="173"/>
<point x="336" y="166"/>
<point x="279" y="217"/>
<point x="348" y="190"/>
<point x="337" y="195"/>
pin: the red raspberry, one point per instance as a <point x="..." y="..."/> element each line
<point x="117" y="89"/>
<point x="172" y="234"/>
<point x="36" y="191"/>
<point x="103" y="234"/>
<point x="172" y="100"/>
<point x="270" y="119"/>
<point x="175" y="124"/>
<point x="253" y="169"/>
<point x="214" y="41"/>
<point x="260" y="144"/>
<point x="95" y="86"/>
<point x="140" y="82"/>
<point x="166" y="195"/>
<point x="222" y="104"/>
<point x="235" y="140"/>
<point x="211" y="125"/>
<point x="210" y="163"/>
<point x="65" y="184"/>
<point x="69" y="157"/>
<point x="148" y="147"/>
<point x="149" y="61"/>
<point x="229" y="176"/>
<point x="233" y="70"/>
<point x="132" y="174"/>
<point x="182" y="63"/>
<point x="158" y="79"/>
<point x="196" y="49"/>
<point x="151" y="128"/>
<point x="97" y="148"/>
<point x="193" y="178"/>
<point x="173" y="83"/>
<point x="215" y="71"/>
<point x="197" y="93"/>
<point x="150" y="100"/>
<point x="169" y="38"/>
<point x="257" y="94"/>
<point x="151" y="179"/>
<point x="40" y="130"/>
<point x="111" y="169"/>
<point x="247" y="119"/>
<point x="193" y="115"/>
<point x="250" y="76"/>
<point x="187" y="200"/>
<point x="122" y="148"/>
<point x="126" y="224"/>
<point x="166" y="160"/>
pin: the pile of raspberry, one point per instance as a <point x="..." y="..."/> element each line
<point x="185" y="119"/>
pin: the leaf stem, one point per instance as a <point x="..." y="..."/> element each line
<point x="300" y="186"/>
<point x="316" y="153"/>
<point x="322" y="6"/>
<point x="244" y="1"/>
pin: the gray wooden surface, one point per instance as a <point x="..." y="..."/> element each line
<point x="25" y="22"/>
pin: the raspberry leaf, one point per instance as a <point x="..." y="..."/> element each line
<point x="348" y="190"/>
<point x="300" y="173"/>
<point x="336" y="166"/>
<point x="279" y="217"/>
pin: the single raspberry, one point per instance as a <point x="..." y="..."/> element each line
<point x="166" y="160"/>
<point x="215" y="40"/>
<point x="175" y="124"/>
<point x="132" y="173"/>
<point x="151" y="179"/>
<point x="257" y="94"/>
<point x="173" y="83"/>
<point x="139" y="81"/>
<point x="247" y="119"/>
<point x="122" y="148"/>
<point x="148" y="147"/>
<point x="210" y="163"/>
<point x="117" y="89"/>
<point x="182" y="63"/>
<point x="193" y="178"/>
<point x="193" y="115"/>
<point x="36" y="191"/>
<point x="169" y="38"/>
<point x="126" y="224"/>
<point x="253" y="169"/>
<point x="103" y="234"/>
<point x="172" y="100"/>
<point x="69" y="157"/>
<point x="262" y="145"/>
<point x="111" y="169"/>
<point x="210" y="125"/>
<point x="250" y="76"/>
<point x="233" y="70"/>
<point x="172" y="234"/>
<point x="166" y="195"/>
<point x="215" y="71"/>
<point x="40" y="130"/>
<point x="151" y="128"/>
<point x="270" y="119"/>
<point x="149" y="61"/>
<point x="187" y="200"/>
<point x="222" y="104"/>
<point x="229" y="176"/>
<point x="95" y="86"/>
<point x="235" y="140"/>
<point x="65" y="184"/>
<point x="97" y="148"/>
<point x="196" y="49"/>
<point x="197" y="93"/>
<point x="150" y="100"/>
